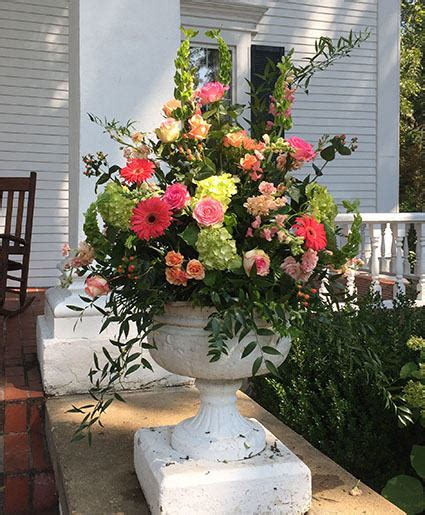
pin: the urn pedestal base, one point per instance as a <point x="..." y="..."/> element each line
<point x="274" y="481"/>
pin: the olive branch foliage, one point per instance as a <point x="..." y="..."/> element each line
<point x="130" y="312"/>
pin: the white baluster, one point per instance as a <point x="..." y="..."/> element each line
<point x="363" y="243"/>
<point x="406" y="251"/>
<point x="387" y="239"/>
<point x="368" y="246"/>
<point x="420" y="261"/>
<point x="399" y="234"/>
<point x="375" y="239"/>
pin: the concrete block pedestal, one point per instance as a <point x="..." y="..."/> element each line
<point x="274" y="481"/>
<point x="66" y="344"/>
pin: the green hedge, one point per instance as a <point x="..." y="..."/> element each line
<point x="334" y="383"/>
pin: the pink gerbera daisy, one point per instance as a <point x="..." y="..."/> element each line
<point x="313" y="233"/>
<point x="138" y="170"/>
<point x="150" y="218"/>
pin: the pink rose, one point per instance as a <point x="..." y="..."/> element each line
<point x="208" y="211"/>
<point x="309" y="261"/>
<point x="303" y="151"/>
<point x="249" y="233"/>
<point x="261" y="260"/>
<point x="212" y="92"/>
<point x="96" y="286"/>
<point x="176" y="196"/>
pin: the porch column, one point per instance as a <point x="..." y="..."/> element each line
<point x="121" y="66"/>
<point x="388" y="105"/>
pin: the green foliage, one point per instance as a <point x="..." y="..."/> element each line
<point x="412" y="103"/>
<point x="225" y="57"/>
<point x="183" y="77"/>
<point x="335" y="387"/>
<point x="91" y="229"/>
<point x="114" y="206"/>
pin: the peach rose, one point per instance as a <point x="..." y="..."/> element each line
<point x="175" y="275"/>
<point x="234" y="139"/>
<point x="250" y="162"/>
<point x="173" y="258"/>
<point x="195" y="270"/>
<point x="170" y="106"/>
<point x="96" y="286"/>
<point x="208" y="212"/>
<point x="169" y="130"/>
<point x="198" y="127"/>
<point x="261" y="260"/>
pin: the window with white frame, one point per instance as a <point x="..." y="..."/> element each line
<point x="205" y="62"/>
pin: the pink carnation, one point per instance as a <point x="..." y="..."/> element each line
<point x="208" y="212"/>
<point x="292" y="268"/>
<point x="176" y="196"/>
<point x="267" y="188"/>
<point x="309" y="261"/>
<point x="303" y="151"/>
<point x="212" y="92"/>
<point x="261" y="260"/>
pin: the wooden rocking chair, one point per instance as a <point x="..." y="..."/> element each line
<point x="12" y="243"/>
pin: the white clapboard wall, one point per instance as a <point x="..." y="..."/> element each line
<point x="34" y="119"/>
<point x="342" y="100"/>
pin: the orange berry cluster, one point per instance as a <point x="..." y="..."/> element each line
<point x="304" y="295"/>
<point x="129" y="267"/>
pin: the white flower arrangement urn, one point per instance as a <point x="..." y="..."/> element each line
<point x="217" y="462"/>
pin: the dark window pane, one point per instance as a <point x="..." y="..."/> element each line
<point x="260" y="55"/>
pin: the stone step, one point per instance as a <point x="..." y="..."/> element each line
<point x="101" y="479"/>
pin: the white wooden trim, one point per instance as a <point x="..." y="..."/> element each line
<point x="388" y="105"/>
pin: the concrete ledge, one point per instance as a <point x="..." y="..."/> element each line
<point x="101" y="479"/>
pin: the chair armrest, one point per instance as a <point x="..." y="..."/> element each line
<point x="10" y="237"/>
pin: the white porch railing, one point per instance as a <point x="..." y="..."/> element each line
<point x="393" y="244"/>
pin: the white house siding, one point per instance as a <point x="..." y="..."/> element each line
<point x="342" y="99"/>
<point x="34" y="118"/>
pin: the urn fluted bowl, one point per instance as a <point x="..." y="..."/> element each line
<point x="218" y="431"/>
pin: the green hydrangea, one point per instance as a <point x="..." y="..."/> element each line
<point x="219" y="187"/>
<point x="416" y="343"/>
<point x="114" y="206"/>
<point x="322" y="205"/>
<point x="217" y="249"/>
<point x="414" y="393"/>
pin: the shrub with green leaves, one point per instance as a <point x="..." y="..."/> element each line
<point x="337" y="387"/>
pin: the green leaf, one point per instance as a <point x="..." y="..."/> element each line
<point x="248" y="349"/>
<point x="407" y="369"/>
<point x="75" y="308"/>
<point x="406" y="492"/>
<point x="272" y="368"/>
<point x="190" y="235"/>
<point x="256" y="365"/>
<point x="344" y="151"/>
<point x="328" y="153"/>
<point x="270" y="350"/>
<point x="132" y="369"/>
<point x="417" y="459"/>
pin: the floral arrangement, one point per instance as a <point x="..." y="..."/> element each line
<point x="228" y="222"/>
